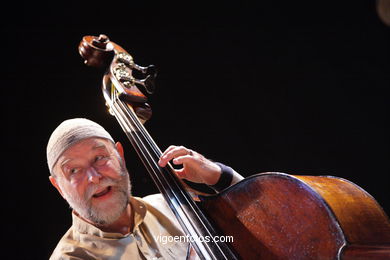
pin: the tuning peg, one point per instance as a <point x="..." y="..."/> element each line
<point x="150" y="84"/>
<point x="149" y="81"/>
<point x="150" y="70"/>
<point x="126" y="60"/>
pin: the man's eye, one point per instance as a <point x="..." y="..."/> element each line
<point x="98" y="158"/>
<point x="74" y="170"/>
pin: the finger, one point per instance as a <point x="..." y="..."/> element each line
<point x="173" y="153"/>
<point x="184" y="159"/>
<point x="179" y="151"/>
<point x="170" y="148"/>
<point x="162" y="160"/>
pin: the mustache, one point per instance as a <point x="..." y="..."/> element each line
<point x="93" y="188"/>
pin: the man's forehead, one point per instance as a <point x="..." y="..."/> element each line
<point x="85" y="145"/>
<point x="92" y="143"/>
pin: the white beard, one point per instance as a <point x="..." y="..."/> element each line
<point x="107" y="212"/>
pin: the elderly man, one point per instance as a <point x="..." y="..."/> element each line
<point x="88" y="169"/>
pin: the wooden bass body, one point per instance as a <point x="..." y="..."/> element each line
<point x="281" y="216"/>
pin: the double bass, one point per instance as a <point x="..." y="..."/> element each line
<point x="270" y="215"/>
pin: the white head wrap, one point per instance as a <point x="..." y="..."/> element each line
<point x="70" y="132"/>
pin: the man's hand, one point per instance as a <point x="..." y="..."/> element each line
<point x="196" y="167"/>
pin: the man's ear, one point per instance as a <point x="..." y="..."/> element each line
<point x="55" y="184"/>
<point x="120" y="150"/>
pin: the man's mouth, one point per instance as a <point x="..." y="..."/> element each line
<point x="102" y="193"/>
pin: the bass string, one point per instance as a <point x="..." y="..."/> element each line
<point x="180" y="201"/>
<point x="141" y="134"/>
<point x="173" y="193"/>
<point x="146" y="145"/>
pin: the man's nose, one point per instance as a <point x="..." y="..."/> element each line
<point x="93" y="175"/>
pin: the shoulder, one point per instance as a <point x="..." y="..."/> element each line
<point x="156" y="203"/>
<point x="156" y="200"/>
<point x="67" y="249"/>
<point x="159" y="210"/>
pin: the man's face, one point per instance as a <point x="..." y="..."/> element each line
<point x="93" y="179"/>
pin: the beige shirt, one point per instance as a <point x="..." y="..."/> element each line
<point x="152" y="218"/>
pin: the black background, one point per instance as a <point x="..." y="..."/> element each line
<point x="298" y="87"/>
